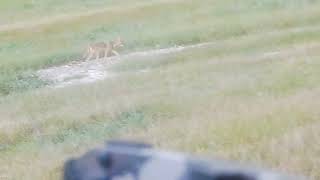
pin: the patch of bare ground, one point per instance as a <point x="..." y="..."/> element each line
<point x="79" y="72"/>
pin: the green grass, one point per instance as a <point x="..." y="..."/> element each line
<point x="58" y="41"/>
<point x="230" y="98"/>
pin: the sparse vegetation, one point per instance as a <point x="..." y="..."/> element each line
<point x="250" y="96"/>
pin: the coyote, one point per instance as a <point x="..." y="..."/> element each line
<point x="108" y="48"/>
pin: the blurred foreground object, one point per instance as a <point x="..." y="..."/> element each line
<point x="126" y="160"/>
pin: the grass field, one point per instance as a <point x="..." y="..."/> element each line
<point x="251" y="95"/>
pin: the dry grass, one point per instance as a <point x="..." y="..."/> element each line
<point x="226" y="106"/>
<point x="251" y="95"/>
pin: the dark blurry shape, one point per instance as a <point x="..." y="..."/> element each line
<point x="121" y="164"/>
<point x="86" y="167"/>
<point x="103" y="164"/>
<point x="126" y="160"/>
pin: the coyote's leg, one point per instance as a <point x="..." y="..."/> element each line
<point x="89" y="56"/>
<point x="85" y="55"/>
<point x="106" y="52"/>
<point x="97" y="55"/>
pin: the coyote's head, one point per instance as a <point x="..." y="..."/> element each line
<point x="117" y="43"/>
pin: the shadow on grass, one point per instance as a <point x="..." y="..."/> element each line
<point x="10" y="83"/>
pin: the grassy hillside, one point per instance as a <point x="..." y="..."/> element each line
<point x="251" y="95"/>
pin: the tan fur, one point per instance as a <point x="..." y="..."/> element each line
<point x="107" y="48"/>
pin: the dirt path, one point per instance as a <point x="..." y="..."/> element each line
<point x="81" y="72"/>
